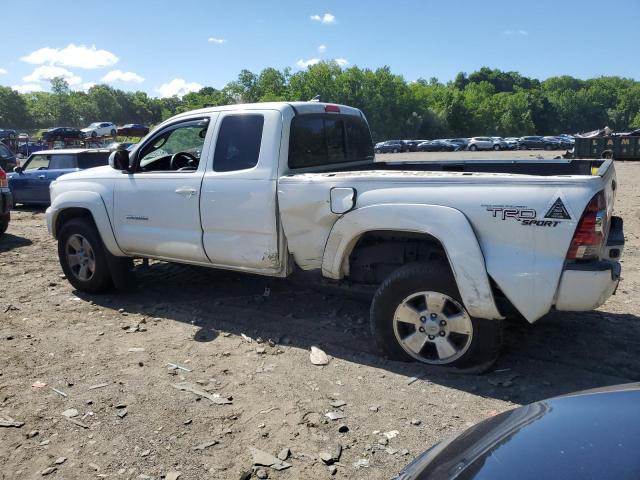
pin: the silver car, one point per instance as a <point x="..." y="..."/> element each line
<point x="481" y="143"/>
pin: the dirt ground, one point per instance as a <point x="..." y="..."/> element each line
<point x="245" y="340"/>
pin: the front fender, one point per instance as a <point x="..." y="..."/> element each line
<point x="92" y="202"/>
<point x="448" y="225"/>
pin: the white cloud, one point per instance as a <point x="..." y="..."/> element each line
<point x="3" y="71"/>
<point x="307" y="63"/>
<point x="341" y="61"/>
<point x="77" y="56"/>
<point x="47" y="72"/>
<point x="516" y="32"/>
<point x="217" y="41"/>
<point x="327" y="18"/>
<point x="120" y="76"/>
<point x="178" y="87"/>
<point x="27" y="88"/>
<point x="322" y="48"/>
<point x="86" y="86"/>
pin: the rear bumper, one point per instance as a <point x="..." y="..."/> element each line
<point x="6" y="201"/>
<point x="585" y="286"/>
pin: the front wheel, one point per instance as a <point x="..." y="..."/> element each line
<point x="496" y="148"/>
<point x="83" y="257"/>
<point x="473" y="148"/>
<point x="113" y="133"/>
<point x="417" y="314"/>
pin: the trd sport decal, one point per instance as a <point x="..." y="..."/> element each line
<point x="558" y="211"/>
<point x="526" y="216"/>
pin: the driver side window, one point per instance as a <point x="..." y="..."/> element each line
<point x="38" y="162"/>
<point x="176" y="148"/>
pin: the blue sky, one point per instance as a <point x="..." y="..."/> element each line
<point x="165" y="47"/>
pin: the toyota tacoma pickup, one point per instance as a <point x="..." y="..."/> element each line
<point x="452" y="248"/>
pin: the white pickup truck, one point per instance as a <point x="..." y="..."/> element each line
<point x="452" y="247"/>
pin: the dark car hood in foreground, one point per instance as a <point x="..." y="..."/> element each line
<point x="587" y="435"/>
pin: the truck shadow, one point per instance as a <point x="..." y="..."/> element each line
<point x="8" y="242"/>
<point x="560" y="354"/>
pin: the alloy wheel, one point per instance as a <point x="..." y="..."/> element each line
<point x="432" y="327"/>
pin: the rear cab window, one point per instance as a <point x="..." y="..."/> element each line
<point x="328" y="138"/>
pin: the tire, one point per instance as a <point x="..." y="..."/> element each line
<point x="94" y="134"/>
<point x="395" y="150"/>
<point x="472" y="347"/>
<point x="71" y="241"/>
<point x="4" y="222"/>
<point x="547" y="147"/>
<point x="113" y="133"/>
<point x="497" y="148"/>
<point x="473" y="148"/>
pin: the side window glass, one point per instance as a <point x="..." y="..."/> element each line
<point x="38" y="162"/>
<point x="91" y="160"/>
<point x="238" y="145"/>
<point x="62" y="161"/>
<point x="177" y="148"/>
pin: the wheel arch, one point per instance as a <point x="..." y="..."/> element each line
<point x="89" y="205"/>
<point x="445" y="229"/>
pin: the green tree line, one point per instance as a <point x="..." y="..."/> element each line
<point x="485" y="102"/>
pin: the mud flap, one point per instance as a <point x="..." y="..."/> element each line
<point x="121" y="270"/>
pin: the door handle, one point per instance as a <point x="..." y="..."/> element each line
<point x="186" y="192"/>
<point x="42" y="176"/>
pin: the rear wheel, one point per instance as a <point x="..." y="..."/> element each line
<point x="113" y="133"/>
<point x="4" y="222"/>
<point x="417" y="314"/>
<point x="395" y="150"/>
<point x="547" y="147"/>
<point x="83" y="257"/>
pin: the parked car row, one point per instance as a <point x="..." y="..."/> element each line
<point x="97" y="129"/>
<point x="559" y="142"/>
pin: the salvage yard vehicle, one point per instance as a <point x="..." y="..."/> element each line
<point x="6" y="202"/>
<point x="482" y="143"/>
<point x="100" y="129"/>
<point x="451" y="247"/>
<point x="30" y="183"/>
<point x="133" y="130"/>
<point x="7" y="158"/>
<point x="61" y="133"/>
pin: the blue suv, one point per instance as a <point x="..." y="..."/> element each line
<point x="29" y="184"/>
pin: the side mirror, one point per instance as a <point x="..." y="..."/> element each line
<point x="119" y="160"/>
<point x="18" y="170"/>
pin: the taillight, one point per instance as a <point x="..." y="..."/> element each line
<point x="3" y="179"/>
<point x="587" y="241"/>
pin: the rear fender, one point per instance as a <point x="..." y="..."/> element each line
<point x="448" y="225"/>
